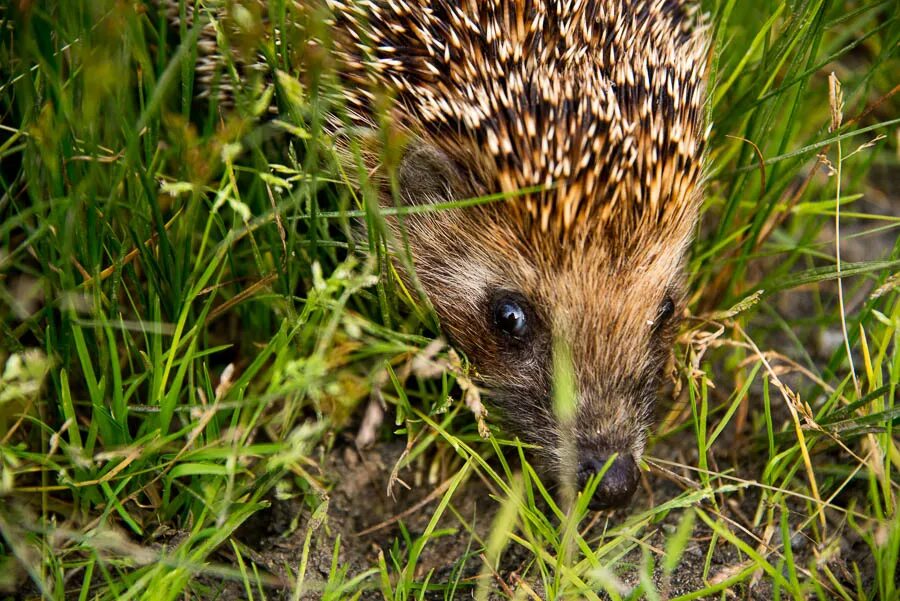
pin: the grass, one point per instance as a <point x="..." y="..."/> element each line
<point x="191" y="324"/>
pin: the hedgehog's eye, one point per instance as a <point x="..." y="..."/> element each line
<point x="510" y="316"/>
<point x="664" y="313"/>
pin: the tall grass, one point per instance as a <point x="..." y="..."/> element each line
<point x="192" y="320"/>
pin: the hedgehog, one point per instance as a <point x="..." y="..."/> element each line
<point x="589" y="117"/>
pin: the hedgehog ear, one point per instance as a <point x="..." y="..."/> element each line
<point x="427" y="175"/>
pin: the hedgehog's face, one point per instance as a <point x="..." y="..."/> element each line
<point x="611" y="331"/>
<point x="510" y="297"/>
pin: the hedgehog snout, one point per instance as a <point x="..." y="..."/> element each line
<point x="618" y="483"/>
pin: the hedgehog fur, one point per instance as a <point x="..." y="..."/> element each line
<point x="597" y="109"/>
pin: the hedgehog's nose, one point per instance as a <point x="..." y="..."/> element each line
<point x="618" y="483"/>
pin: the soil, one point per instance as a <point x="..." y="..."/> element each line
<point x="359" y="502"/>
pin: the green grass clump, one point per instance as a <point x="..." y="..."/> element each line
<point x="192" y="317"/>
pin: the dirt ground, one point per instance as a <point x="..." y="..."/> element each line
<point x="359" y="502"/>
